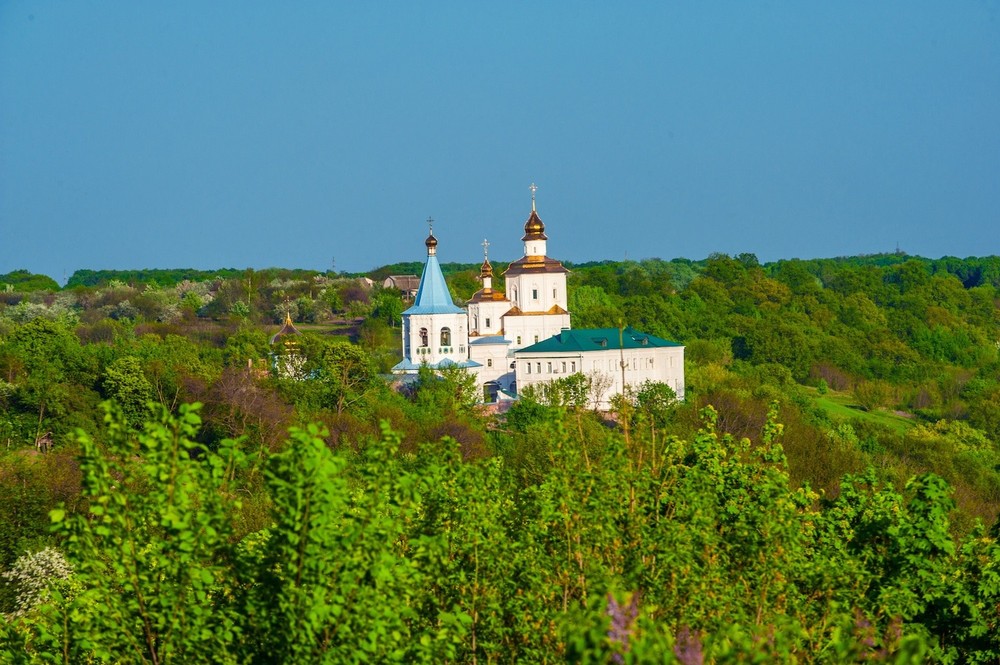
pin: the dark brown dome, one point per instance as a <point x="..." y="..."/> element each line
<point x="534" y="229"/>
<point x="431" y="242"/>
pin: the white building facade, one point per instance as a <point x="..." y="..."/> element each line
<point x="610" y="358"/>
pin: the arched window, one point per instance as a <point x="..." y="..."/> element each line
<point x="445" y="336"/>
<point x="423" y="337"/>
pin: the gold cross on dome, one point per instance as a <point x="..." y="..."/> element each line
<point x="533" y="188"/>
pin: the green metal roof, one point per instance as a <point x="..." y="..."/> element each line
<point x="597" y="339"/>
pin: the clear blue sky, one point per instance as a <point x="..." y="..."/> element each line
<point x="255" y="134"/>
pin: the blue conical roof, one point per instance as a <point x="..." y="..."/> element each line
<point x="433" y="296"/>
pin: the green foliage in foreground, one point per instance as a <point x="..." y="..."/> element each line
<point x="646" y="550"/>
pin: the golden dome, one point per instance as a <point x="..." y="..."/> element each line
<point x="431" y="242"/>
<point x="534" y="229"/>
<point x="486" y="270"/>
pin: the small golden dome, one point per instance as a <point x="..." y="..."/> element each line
<point x="486" y="270"/>
<point x="431" y="242"/>
<point x="534" y="229"/>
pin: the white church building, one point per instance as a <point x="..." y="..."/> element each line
<point x="522" y="335"/>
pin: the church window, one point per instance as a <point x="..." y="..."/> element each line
<point x="536" y="339"/>
<point x="519" y="340"/>
<point x="564" y="367"/>
<point x="534" y="294"/>
<point x="528" y="365"/>
<point x="487" y="323"/>
<point x="461" y="348"/>
<point x="423" y="337"/>
<point x="489" y="362"/>
<point x="549" y="368"/>
<point x="572" y="366"/>
<point x="538" y="366"/>
<point x="445" y="336"/>
<point x="475" y="322"/>
<point x="553" y="294"/>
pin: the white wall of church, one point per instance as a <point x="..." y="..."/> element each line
<point x="432" y="338"/>
<point x="659" y="364"/>
<point x="525" y="330"/>
<point x="537" y="292"/>
<point x="486" y="318"/>
<point x="495" y="364"/>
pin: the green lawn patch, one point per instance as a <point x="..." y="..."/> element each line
<point x="843" y="406"/>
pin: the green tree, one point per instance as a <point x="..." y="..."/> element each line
<point x="341" y="375"/>
<point x="125" y="383"/>
<point x="592" y="307"/>
<point x="449" y="389"/>
<point x="52" y="375"/>
<point x="872" y="395"/>
<point x="150" y="554"/>
<point x="387" y="307"/>
<point x="23" y="281"/>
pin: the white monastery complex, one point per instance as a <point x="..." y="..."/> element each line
<point x="522" y="335"/>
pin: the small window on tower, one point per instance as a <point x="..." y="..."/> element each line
<point x="519" y="342"/>
<point x="534" y="294"/>
<point x="489" y="362"/>
<point x="553" y="293"/>
<point x="423" y="337"/>
<point x="536" y="339"/>
<point x="487" y="323"/>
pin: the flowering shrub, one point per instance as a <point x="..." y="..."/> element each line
<point x="33" y="573"/>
